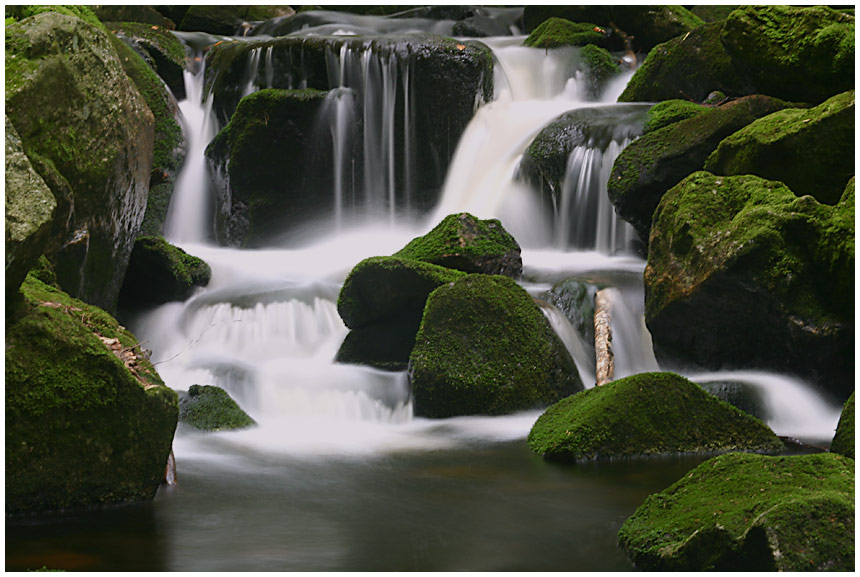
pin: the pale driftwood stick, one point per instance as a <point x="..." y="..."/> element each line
<point x="604" y="361"/>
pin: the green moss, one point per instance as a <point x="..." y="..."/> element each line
<point x="156" y="36"/>
<point x="844" y="440"/>
<point x="555" y="32"/>
<point x="484" y="347"/>
<point x="749" y="512"/>
<point x="669" y="112"/>
<point x="159" y="272"/>
<point x="78" y="11"/>
<point x="646" y="414"/>
<point x="44" y="271"/>
<point x="210" y="408"/>
<point x="599" y="66"/>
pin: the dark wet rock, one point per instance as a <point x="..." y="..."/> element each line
<point x="227" y="20"/>
<point x="844" y="440"/>
<point x="384" y="345"/>
<point x="159" y="272"/>
<point x="740" y="395"/>
<point x="160" y="49"/>
<point x="575" y="299"/>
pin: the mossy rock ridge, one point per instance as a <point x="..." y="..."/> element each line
<point x="554" y="32"/>
<point x="659" y="160"/>
<point x="844" y="440"/>
<point x="225" y="19"/>
<point x="484" y="347"/>
<point x="810" y="150"/>
<point x="745" y="512"/>
<point x="161" y="50"/>
<point x="88" y="420"/>
<point x="742" y="273"/>
<point x="74" y="107"/>
<point x="146" y="15"/>
<point x="159" y="272"/>
<point x="644" y="415"/>
<point x="463" y="242"/>
<point x="210" y="408"/>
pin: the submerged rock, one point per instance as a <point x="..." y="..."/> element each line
<point x="159" y="272"/>
<point x="659" y="160"/>
<point x="742" y="512"/>
<point x="642" y="415"/>
<point x="810" y="150"/>
<point x="484" y="347"/>
<point x="210" y="408"/>
<point x="742" y="273"/>
<point x="88" y="420"/>
<point x="844" y="440"/>
<point x="76" y="110"/>
<point x="466" y="243"/>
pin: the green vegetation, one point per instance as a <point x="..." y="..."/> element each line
<point x="555" y="32"/>
<point x="646" y="414"/>
<point x="843" y="441"/>
<point x="484" y="347"/>
<point x="600" y="67"/>
<point x="83" y="12"/>
<point x="159" y="272"/>
<point x="742" y="512"/>
<point x="210" y="408"/>
<point x="669" y="112"/>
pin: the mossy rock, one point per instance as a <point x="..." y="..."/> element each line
<point x="75" y="109"/>
<point x="644" y="415"/>
<point x="810" y="150"/>
<point x="159" y="272"/>
<point x="226" y="20"/>
<point x="554" y="32"/>
<point x="30" y="210"/>
<point x="659" y="160"/>
<point x="88" y="420"/>
<point x="146" y="15"/>
<point x="669" y="112"/>
<point x="163" y="51"/>
<point x="743" y="273"/>
<point x="599" y="67"/>
<point x="713" y="12"/>
<point x="744" y="512"/>
<point x="383" y="345"/>
<point x="774" y="46"/>
<point x="210" y="408"/>
<point x="484" y="347"/>
<point x="388" y="288"/>
<point x="844" y="440"/>
<point x="85" y="13"/>
<point x="465" y="243"/>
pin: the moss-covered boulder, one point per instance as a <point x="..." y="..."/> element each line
<point x="30" y="208"/>
<point x="643" y="415"/>
<point x="388" y="289"/>
<point x="810" y="150"/>
<point x="669" y="112"/>
<point x="743" y="512"/>
<point x="163" y="51"/>
<point x="484" y="347"/>
<point x="659" y="160"/>
<point x="774" y="46"/>
<point x="260" y="158"/>
<point x="146" y="15"/>
<point x="465" y="243"/>
<point x="648" y="25"/>
<point x="227" y="20"/>
<point x="844" y="440"/>
<point x="78" y="113"/>
<point x="743" y="273"/>
<point x="554" y="32"/>
<point x="210" y="408"/>
<point x="88" y="420"/>
<point x="159" y="272"/>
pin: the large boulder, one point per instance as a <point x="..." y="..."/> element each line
<point x="554" y="32"/>
<point x="743" y="273"/>
<point x="30" y="208"/>
<point x="88" y="420"/>
<point x="77" y="111"/>
<point x="465" y="243"/>
<point x="810" y="150"/>
<point x="211" y="408"/>
<point x="484" y="347"/>
<point x="844" y="440"/>
<point x="644" y="415"/>
<point x="159" y="272"/>
<point x="743" y="512"/>
<point x="659" y="160"/>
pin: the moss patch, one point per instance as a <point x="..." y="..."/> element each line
<point x="210" y="408"/>
<point x="844" y="440"/>
<point x="646" y="414"/>
<point x="669" y="112"/>
<point x="554" y="32"/>
<point x="742" y="512"/>
<point x="159" y="272"/>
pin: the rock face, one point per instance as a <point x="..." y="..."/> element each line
<point x="159" y="272"/>
<point x="161" y="50"/>
<point x="210" y="408"/>
<point x="741" y="272"/>
<point x="843" y="441"/>
<point x="659" y="160"/>
<point x="465" y="243"/>
<point x="646" y="414"/>
<point x="227" y="20"/>
<point x="757" y="49"/>
<point x="76" y="110"/>
<point x="742" y="512"/>
<point x="807" y="149"/>
<point x="88" y="420"/>
<point x="30" y="207"/>
<point x="484" y="347"/>
<point x="259" y="160"/>
<point x="575" y="299"/>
